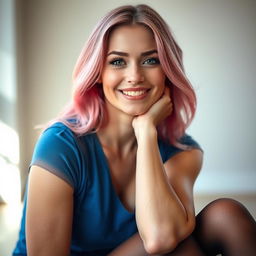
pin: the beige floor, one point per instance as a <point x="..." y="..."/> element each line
<point x="10" y="218"/>
<point x="9" y="226"/>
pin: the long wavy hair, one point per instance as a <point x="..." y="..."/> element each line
<point x="87" y="113"/>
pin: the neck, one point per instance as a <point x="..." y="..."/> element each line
<point x="118" y="135"/>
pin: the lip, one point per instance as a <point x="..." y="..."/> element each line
<point x="134" y="89"/>
<point x="134" y="97"/>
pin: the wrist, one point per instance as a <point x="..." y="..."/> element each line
<point x="146" y="132"/>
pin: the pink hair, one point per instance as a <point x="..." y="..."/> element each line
<point x="87" y="113"/>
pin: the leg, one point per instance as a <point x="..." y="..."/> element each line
<point x="134" y="247"/>
<point x="225" y="226"/>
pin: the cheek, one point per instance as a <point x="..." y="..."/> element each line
<point x="162" y="79"/>
<point x="159" y="80"/>
<point x="110" y="79"/>
<point x="157" y="77"/>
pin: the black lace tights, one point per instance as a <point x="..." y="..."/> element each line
<point x="223" y="227"/>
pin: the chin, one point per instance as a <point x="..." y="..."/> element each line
<point x="136" y="113"/>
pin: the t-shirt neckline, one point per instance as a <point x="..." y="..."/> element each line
<point x="109" y="176"/>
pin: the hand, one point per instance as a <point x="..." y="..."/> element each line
<point x="157" y="113"/>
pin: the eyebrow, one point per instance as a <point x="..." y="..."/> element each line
<point x="126" y="54"/>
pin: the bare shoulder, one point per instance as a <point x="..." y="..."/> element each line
<point x="186" y="163"/>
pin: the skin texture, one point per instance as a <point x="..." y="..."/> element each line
<point x="129" y="141"/>
<point x="48" y="234"/>
<point x="129" y="67"/>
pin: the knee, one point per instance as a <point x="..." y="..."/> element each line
<point x="224" y="211"/>
<point x="224" y="206"/>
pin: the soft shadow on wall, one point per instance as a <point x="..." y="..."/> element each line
<point x="10" y="185"/>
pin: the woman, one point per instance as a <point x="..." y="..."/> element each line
<point x="114" y="173"/>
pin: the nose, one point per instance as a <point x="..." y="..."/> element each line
<point x="134" y="74"/>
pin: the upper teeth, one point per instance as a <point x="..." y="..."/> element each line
<point x="133" y="93"/>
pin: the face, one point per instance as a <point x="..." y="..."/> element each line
<point x="132" y="77"/>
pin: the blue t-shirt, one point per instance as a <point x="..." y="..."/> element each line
<point x="100" y="221"/>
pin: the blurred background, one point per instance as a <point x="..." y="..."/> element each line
<point x="40" y="41"/>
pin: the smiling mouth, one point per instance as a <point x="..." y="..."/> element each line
<point x="134" y="93"/>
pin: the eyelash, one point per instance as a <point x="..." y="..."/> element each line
<point x="154" y="59"/>
<point x="119" y="62"/>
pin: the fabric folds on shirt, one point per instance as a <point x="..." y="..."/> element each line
<point x="100" y="220"/>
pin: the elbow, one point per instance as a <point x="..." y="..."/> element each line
<point x="166" y="242"/>
<point x="160" y="240"/>
<point x="160" y="246"/>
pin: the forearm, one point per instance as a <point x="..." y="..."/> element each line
<point x="159" y="212"/>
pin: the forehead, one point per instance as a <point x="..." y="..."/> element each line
<point x="127" y="37"/>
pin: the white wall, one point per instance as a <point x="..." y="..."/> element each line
<point x="7" y="63"/>
<point x="9" y="141"/>
<point x="219" y="42"/>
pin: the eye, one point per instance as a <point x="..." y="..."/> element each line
<point x="151" y="61"/>
<point x="117" y="62"/>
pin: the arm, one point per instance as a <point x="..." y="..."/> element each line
<point x="49" y="214"/>
<point x="164" y="193"/>
<point x="185" y="162"/>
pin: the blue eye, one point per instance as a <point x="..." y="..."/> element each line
<point x="151" y="61"/>
<point x="117" y="62"/>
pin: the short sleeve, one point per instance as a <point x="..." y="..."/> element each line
<point x="167" y="150"/>
<point x="56" y="151"/>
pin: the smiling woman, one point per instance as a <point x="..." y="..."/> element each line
<point x="88" y="72"/>
<point x="114" y="173"/>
